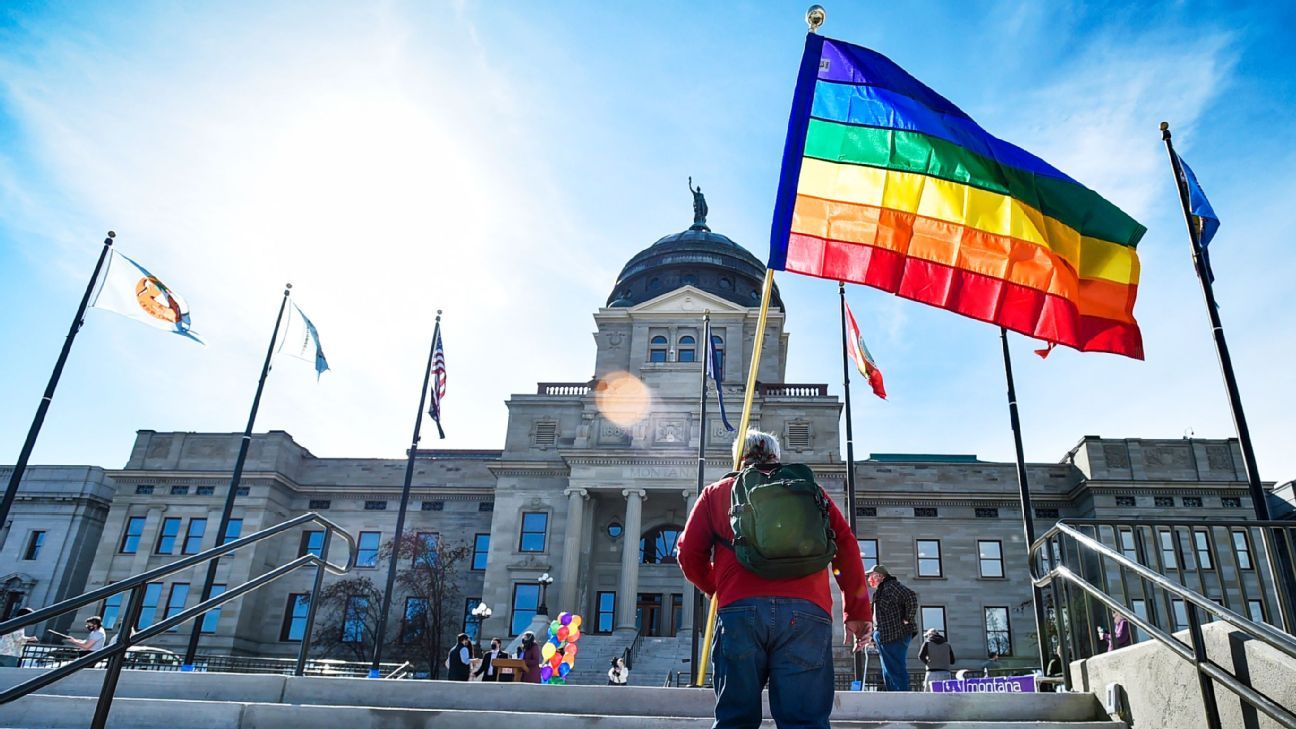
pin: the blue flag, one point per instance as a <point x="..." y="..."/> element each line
<point x="715" y="370"/>
<point x="1202" y="213"/>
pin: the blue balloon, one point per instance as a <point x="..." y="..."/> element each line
<point x="563" y="669"/>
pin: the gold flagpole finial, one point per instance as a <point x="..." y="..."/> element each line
<point x="815" y="17"/>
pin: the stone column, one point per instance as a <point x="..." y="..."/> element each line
<point x="571" y="550"/>
<point x="628" y="595"/>
<point x="690" y="498"/>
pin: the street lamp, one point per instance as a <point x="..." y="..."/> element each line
<point x="480" y="614"/>
<point x="545" y="581"/>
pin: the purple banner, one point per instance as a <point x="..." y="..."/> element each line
<point x="992" y="685"/>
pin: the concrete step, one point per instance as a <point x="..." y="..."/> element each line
<point x="66" y="712"/>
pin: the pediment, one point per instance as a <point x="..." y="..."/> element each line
<point x="687" y="300"/>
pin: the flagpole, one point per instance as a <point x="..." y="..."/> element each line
<point x="701" y="477"/>
<point x="20" y="467"/>
<point x="195" y="633"/>
<point x="1258" y="499"/>
<point x="857" y="657"/>
<point x="748" y="394"/>
<point x="374" y="671"/>
<point x="1023" y="488"/>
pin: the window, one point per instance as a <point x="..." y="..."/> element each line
<point x="658" y="545"/>
<point x="110" y="610"/>
<point x="1127" y="545"/>
<point x="717" y="351"/>
<point x="433" y="506"/>
<point x="233" y="530"/>
<point x="34" y="543"/>
<point x="353" y="618"/>
<point x="1231" y="502"/>
<point x="367" y="549"/>
<point x="1192" y="501"/>
<point x="606" y="604"/>
<point x="933" y="618"/>
<point x="1139" y="606"/>
<point x="414" y="619"/>
<point x="534" y="526"/>
<point x="167" y="535"/>
<point x="148" y="608"/>
<point x="868" y="552"/>
<point x="1163" y="500"/>
<point x="471" y="625"/>
<point x="615" y="530"/>
<point x="294" y="620"/>
<point x="1046" y="513"/>
<point x="144" y="490"/>
<point x="427" y="555"/>
<point x="984" y="512"/>
<point x="312" y="542"/>
<point x="926" y="512"/>
<point x="866" y="511"/>
<point x="998" y="632"/>
<point x="526" y="600"/>
<point x="194" y="536"/>
<point x="1242" y="547"/>
<point x="176" y="600"/>
<point x="486" y="506"/>
<point x="243" y="491"/>
<point x="179" y="490"/>
<point x="1179" y="613"/>
<point x="1255" y="610"/>
<point x="1167" y="539"/>
<point x="481" y="551"/>
<point x="205" y="490"/>
<point x="375" y="506"/>
<point x="131" y="539"/>
<point x="320" y="504"/>
<point x="1125" y="501"/>
<point x="990" y="552"/>
<point x="687" y="351"/>
<point x="657" y="349"/>
<point x="212" y="618"/>
<point x="929" y="558"/>
<point x="1201" y="542"/>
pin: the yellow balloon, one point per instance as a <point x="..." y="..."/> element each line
<point x="548" y="651"/>
<point x="575" y="622"/>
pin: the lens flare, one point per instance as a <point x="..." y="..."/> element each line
<point x="622" y="398"/>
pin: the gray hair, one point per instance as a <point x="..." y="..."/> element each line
<point x="757" y="447"/>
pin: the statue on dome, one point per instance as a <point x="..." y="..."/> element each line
<point x="699" y="206"/>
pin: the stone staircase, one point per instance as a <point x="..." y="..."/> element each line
<point x="156" y="700"/>
<point x="595" y="658"/>
<point x="659" y="657"/>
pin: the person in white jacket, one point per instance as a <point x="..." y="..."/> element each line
<point x="618" y="674"/>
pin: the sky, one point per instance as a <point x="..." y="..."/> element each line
<point x="501" y="162"/>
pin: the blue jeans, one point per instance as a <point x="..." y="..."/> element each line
<point x="785" y="642"/>
<point x="895" y="673"/>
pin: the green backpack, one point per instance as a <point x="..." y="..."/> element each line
<point x="780" y="522"/>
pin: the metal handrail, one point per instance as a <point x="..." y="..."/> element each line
<point x="128" y="637"/>
<point x="628" y="655"/>
<point x="1194" y="601"/>
<point x="401" y="670"/>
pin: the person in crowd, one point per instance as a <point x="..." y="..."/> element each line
<point x="1120" y="636"/>
<point x="529" y="653"/>
<point x="618" y="674"/>
<point x="938" y="655"/>
<point x="775" y="609"/>
<point x="486" y="671"/>
<point x="11" y="644"/>
<point x="95" y="638"/>
<point x="894" y="607"/>
<point x="459" y="661"/>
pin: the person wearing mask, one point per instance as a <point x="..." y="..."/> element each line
<point x="937" y="654"/>
<point x="894" y="607"/>
<point x="529" y="653"/>
<point x="1120" y="636"/>
<point x="618" y="674"/>
<point x="460" y="659"/>
<point x="11" y="644"/>
<point x="95" y="640"/>
<point x="486" y="671"/>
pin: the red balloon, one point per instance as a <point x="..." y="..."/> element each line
<point x="563" y="632"/>
<point x="555" y="659"/>
<point x="570" y="650"/>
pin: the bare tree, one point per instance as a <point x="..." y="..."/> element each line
<point x="347" y="618"/>
<point x="431" y="608"/>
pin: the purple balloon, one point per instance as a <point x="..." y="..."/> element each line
<point x="546" y="673"/>
<point x="564" y="618"/>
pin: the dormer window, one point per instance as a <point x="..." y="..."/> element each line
<point x="687" y="349"/>
<point x="657" y="349"/>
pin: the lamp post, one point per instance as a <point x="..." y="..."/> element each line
<point x="480" y="614"/>
<point x="544" y="581"/>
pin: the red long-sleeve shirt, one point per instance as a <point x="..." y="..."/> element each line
<point x="715" y="570"/>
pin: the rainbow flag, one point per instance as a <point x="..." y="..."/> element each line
<point x="888" y="184"/>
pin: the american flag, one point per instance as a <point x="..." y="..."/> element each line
<point x="438" y="380"/>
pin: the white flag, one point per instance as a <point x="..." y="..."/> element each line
<point x="300" y="339"/>
<point x="130" y="290"/>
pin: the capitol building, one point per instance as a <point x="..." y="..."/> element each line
<point x="592" y="485"/>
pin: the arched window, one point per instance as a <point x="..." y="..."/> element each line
<point x="726" y="283"/>
<point x="657" y="349"/>
<point x="717" y="346"/>
<point x="688" y="279"/>
<point x="658" y="544"/>
<point x="687" y="349"/>
<point x="654" y="284"/>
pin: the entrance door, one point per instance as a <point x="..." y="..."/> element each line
<point x="648" y="613"/>
<point x="677" y="614"/>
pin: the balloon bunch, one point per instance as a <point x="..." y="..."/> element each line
<point x="559" y="652"/>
